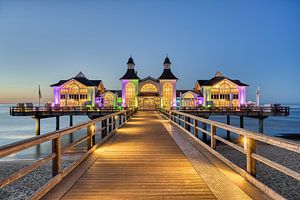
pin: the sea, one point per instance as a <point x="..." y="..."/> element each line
<point x="16" y="128"/>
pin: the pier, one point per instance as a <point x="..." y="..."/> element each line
<point x="39" y="113"/>
<point x="259" y="113"/>
<point x="151" y="154"/>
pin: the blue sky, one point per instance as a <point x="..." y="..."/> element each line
<point x="257" y="42"/>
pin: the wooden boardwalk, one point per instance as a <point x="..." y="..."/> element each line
<point x="143" y="162"/>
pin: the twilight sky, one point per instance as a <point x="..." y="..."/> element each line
<point x="257" y="42"/>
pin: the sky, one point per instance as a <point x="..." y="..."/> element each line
<point x="257" y="42"/>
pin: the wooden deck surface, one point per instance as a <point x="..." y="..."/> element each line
<point x="143" y="162"/>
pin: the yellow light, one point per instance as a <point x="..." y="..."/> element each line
<point x="245" y="142"/>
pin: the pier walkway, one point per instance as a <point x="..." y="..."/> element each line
<point x="149" y="159"/>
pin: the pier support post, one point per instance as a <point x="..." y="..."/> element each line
<point x="212" y="136"/>
<point x="250" y="147"/>
<point x="71" y="120"/>
<point x="56" y="161"/>
<point x="37" y="126"/>
<point x="261" y="125"/>
<point x="228" y="122"/>
<point x="204" y="135"/>
<point x="241" y="121"/>
<point x="57" y="122"/>
<point x="71" y="134"/>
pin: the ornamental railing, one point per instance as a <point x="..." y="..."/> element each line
<point x="109" y="124"/>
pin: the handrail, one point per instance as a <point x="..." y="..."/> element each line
<point x="108" y="127"/>
<point x="35" y="109"/>
<point x="283" y="110"/>
<point x="250" y="139"/>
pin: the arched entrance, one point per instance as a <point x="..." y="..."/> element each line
<point x="148" y="97"/>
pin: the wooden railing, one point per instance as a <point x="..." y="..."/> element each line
<point x="109" y="124"/>
<point x="17" y="110"/>
<point x="261" y="110"/>
<point x="190" y="124"/>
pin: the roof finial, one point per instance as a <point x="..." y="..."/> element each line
<point x="219" y="74"/>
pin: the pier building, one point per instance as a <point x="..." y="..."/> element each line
<point x="150" y="93"/>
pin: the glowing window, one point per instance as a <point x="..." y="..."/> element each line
<point x="109" y="100"/>
<point x="189" y="95"/>
<point x="74" y="89"/>
<point x="130" y="94"/>
<point x="167" y="95"/>
<point x="149" y="88"/>
<point x="224" y="88"/>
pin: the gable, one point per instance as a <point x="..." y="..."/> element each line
<point x="71" y="82"/>
<point x="225" y="81"/>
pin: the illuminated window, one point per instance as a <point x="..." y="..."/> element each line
<point x="109" y="100"/>
<point x="74" y="89"/>
<point x="130" y="94"/>
<point x="189" y="95"/>
<point x="149" y="88"/>
<point x="189" y="100"/>
<point x="167" y="95"/>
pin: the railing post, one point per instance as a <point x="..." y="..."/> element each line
<point x="90" y="132"/>
<point x="120" y="120"/>
<point x="178" y="119"/>
<point x="212" y="136"/>
<point x="110" y="124"/>
<point x="204" y="135"/>
<point x="250" y="146"/>
<point x="195" y="127"/>
<point x="56" y="161"/>
<point x="104" y="127"/>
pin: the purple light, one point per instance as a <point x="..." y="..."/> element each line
<point x="124" y="82"/>
<point x="56" y="91"/>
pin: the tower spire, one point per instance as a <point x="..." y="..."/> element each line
<point x="167" y="63"/>
<point x="130" y="63"/>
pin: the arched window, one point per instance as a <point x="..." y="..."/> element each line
<point x="130" y="94"/>
<point x="188" y="95"/>
<point x="149" y="88"/>
<point x="74" y="89"/>
<point x="167" y="95"/>
<point x="189" y="100"/>
<point x="109" y="100"/>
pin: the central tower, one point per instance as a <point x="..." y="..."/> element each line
<point x="168" y="83"/>
<point x="130" y="82"/>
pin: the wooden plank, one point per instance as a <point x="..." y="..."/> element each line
<point x="142" y="162"/>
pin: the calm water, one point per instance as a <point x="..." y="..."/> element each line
<point x="18" y="128"/>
